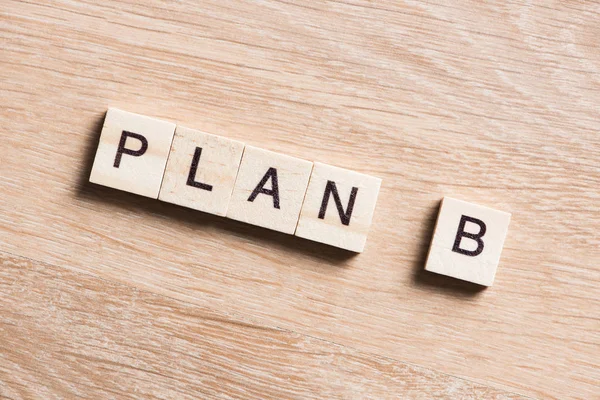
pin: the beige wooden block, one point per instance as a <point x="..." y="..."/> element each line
<point x="467" y="242"/>
<point x="338" y="207"/>
<point x="132" y="153"/>
<point x="269" y="189"/>
<point x="201" y="171"/>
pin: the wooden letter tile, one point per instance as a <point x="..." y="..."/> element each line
<point x="467" y="242"/>
<point x="201" y="171"/>
<point x="338" y="207"/>
<point x="269" y="189"/>
<point x="132" y="153"/>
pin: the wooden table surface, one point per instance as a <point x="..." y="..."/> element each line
<point x="104" y="294"/>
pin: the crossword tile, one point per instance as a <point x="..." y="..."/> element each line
<point x="201" y="171"/>
<point x="338" y="207"/>
<point x="269" y="189"/>
<point x="132" y="153"/>
<point x="467" y="242"/>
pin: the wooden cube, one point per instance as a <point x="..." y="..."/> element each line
<point x="132" y="153"/>
<point x="338" y="207"/>
<point x="269" y="189"/>
<point x="201" y="171"/>
<point x="467" y="242"/>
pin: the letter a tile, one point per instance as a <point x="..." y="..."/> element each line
<point x="269" y="189"/>
<point x="201" y="171"/>
<point x="132" y="153"/>
<point x="338" y="207"/>
<point x="467" y="242"/>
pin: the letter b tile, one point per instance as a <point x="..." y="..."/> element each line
<point x="338" y="207"/>
<point x="467" y="242"/>
<point x="132" y="153"/>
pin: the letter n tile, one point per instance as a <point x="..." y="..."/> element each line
<point x="338" y="207"/>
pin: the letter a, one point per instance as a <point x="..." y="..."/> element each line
<point x="274" y="191"/>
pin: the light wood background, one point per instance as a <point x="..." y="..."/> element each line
<point x="104" y="294"/>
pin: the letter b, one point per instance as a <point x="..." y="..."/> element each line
<point x="474" y="236"/>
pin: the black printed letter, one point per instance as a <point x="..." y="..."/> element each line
<point x="191" y="180"/>
<point x="475" y="236"/>
<point x="122" y="150"/>
<point x="271" y="174"/>
<point x="331" y="188"/>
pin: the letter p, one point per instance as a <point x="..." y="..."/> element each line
<point x="122" y="150"/>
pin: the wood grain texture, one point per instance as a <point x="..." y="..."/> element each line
<point x="495" y="103"/>
<point x="70" y="335"/>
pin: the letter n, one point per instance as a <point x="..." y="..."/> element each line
<point x="331" y="190"/>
